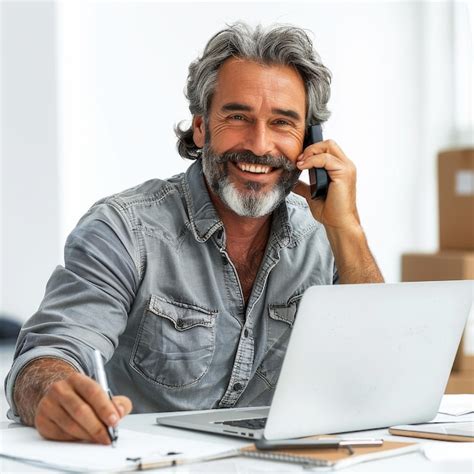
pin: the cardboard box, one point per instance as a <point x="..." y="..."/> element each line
<point x="456" y="199"/>
<point x="446" y="265"/>
<point x="463" y="381"/>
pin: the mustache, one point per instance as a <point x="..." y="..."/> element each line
<point x="250" y="158"/>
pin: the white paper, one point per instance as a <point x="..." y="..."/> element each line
<point x="445" y="451"/>
<point x="27" y="443"/>
<point x="442" y="418"/>
<point x="457" y="405"/>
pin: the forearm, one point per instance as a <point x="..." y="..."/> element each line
<point x="354" y="261"/>
<point x="33" y="382"/>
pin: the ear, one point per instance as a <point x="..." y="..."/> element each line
<point x="199" y="132"/>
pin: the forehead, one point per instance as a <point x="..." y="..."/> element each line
<point x="245" y="81"/>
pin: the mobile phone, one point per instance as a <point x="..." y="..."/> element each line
<point x="318" y="177"/>
<point x="312" y="443"/>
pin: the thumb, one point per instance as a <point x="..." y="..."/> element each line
<point x="123" y="404"/>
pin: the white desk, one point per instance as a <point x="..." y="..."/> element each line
<point x="413" y="462"/>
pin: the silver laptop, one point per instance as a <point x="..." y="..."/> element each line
<point x="359" y="357"/>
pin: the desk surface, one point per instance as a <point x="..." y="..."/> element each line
<point x="412" y="462"/>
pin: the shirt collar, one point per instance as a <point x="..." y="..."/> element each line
<point x="203" y="216"/>
<point x="282" y="231"/>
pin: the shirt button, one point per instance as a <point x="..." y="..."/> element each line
<point x="180" y="323"/>
<point x="246" y="333"/>
<point x="237" y="386"/>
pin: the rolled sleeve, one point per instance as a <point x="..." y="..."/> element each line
<point x="87" y="301"/>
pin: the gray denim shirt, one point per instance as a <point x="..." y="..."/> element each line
<point x="147" y="281"/>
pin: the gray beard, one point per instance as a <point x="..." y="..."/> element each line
<point x="252" y="202"/>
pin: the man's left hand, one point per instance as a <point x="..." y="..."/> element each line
<point x="338" y="211"/>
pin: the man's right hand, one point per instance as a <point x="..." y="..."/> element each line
<point x="66" y="406"/>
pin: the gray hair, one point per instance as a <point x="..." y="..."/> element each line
<point x="279" y="44"/>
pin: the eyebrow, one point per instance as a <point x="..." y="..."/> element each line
<point x="238" y="107"/>
<point x="287" y="113"/>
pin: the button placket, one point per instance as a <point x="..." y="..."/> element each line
<point x="241" y="373"/>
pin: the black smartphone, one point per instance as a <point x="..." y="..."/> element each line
<point x="312" y="443"/>
<point x="318" y="177"/>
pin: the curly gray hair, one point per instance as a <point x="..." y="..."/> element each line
<point x="279" y="44"/>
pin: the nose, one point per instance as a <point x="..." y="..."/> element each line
<point x="259" y="140"/>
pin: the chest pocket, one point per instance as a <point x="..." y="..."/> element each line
<point x="279" y="324"/>
<point x="175" y="343"/>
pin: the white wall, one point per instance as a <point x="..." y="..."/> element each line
<point x="30" y="245"/>
<point x="133" y="64"/>
<point x="122" y="68"/>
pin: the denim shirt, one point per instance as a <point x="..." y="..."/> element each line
<point x="147" y="281"/>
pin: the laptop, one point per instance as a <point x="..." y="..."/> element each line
<point x="359" y="357"/>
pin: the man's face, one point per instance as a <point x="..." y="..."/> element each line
<point x="253" y="136"/>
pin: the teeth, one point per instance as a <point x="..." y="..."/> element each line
<point x="254" y="168"/>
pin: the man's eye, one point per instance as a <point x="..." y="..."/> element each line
<point x="237" y="117"/>
<point x="281" y="122"/>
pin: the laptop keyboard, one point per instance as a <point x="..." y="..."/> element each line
<point x="250" y="423"/>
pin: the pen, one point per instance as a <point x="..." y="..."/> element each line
<point x="102" y="381"/>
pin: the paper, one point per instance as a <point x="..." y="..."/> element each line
<point x="27" y="443"/>
<point x="457" y="405"/>
<point x="464" y="183"/>
<point x="444" y="451"/>
<point x="442" y="418"/>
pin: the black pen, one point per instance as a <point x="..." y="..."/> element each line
<point x="102" y="381"/>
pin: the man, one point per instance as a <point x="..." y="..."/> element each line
<point x="189" y="287"/>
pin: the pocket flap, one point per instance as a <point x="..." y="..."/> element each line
<point x="182" y="315"/>
<point x="285" y="312"/>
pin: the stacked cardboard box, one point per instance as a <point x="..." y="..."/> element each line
<point x="455" y="259"/>
<point x="456" y="199"/>
<point x="462" y="381"/>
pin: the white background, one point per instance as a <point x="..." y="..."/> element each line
<point x="91" y="92"/>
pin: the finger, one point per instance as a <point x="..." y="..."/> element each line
<point x="97" y="398"/>
<point x="123" y="403"/>
<point x="64" y="394"/>
<point x="335" y="149"/>
<point x="321" y="160"/>
<point x="53" y="412"/>
<point x="326" y="146"/>
<point x="50" y="430"/>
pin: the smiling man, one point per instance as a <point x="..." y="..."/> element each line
<point x="257" y="124"/>
<point x="189" y="286"/>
